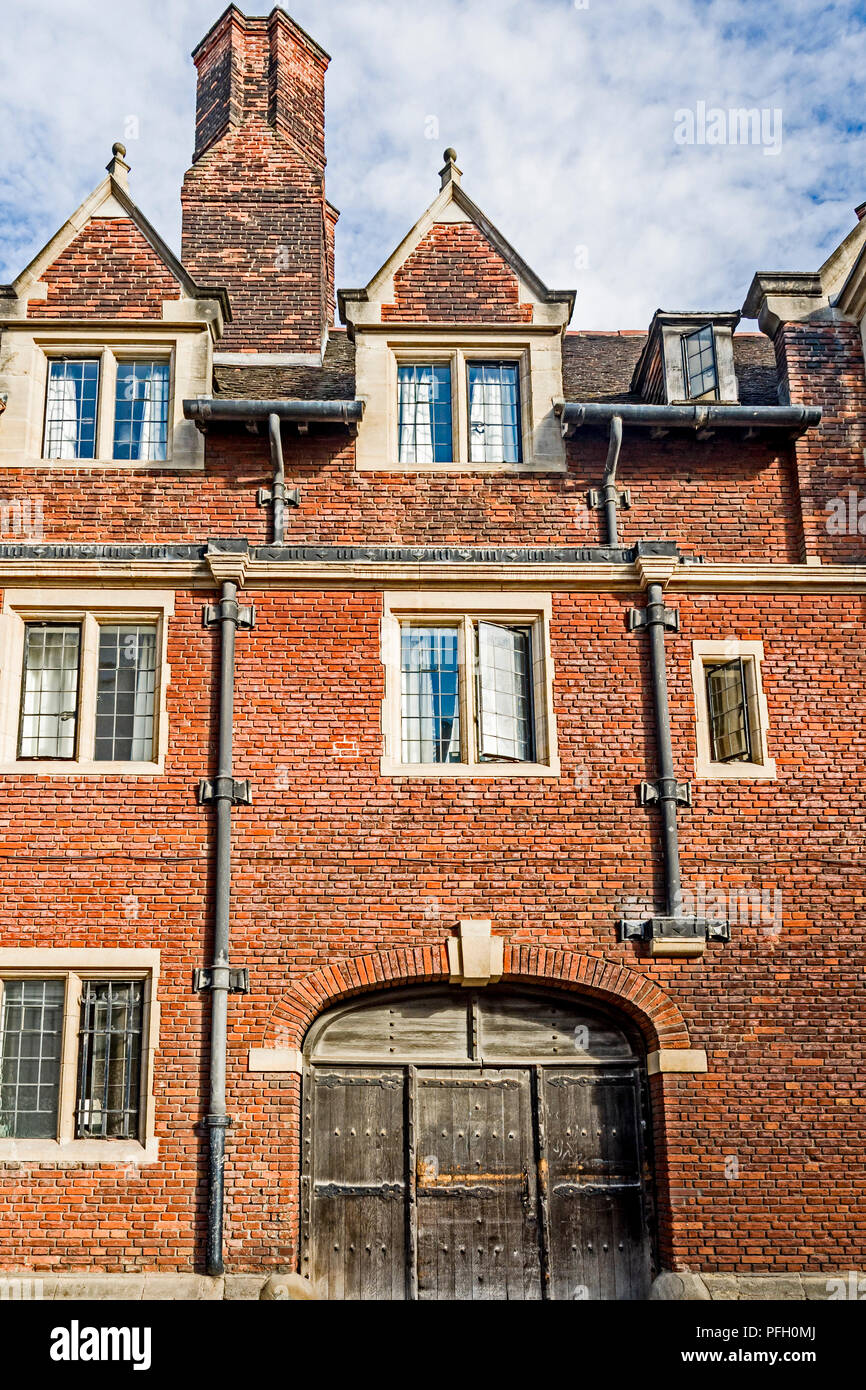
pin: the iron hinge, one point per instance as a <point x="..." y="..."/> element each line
<point x="238" y="791"/>
<point x="666" y="789"/>
<point x="244" y="616"/>
<point x="673" y="929"/>
<point x="640" y="617"/>
<point x="595" y="498"/>
<point x="239" y="979"/>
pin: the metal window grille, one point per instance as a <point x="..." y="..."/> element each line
<point x="109" y="1060"/>
<point x="70" y="408"/>
<point x="504" y="693"/>
<point x="430" y="694"/>
<point x="699" y="358"/>
<point x="141" y="410"/>
<point x="425" y="414"/>
<point x="728" y="704"/>
<point x="126" y="693"/>
<point x="494" y="412"/>
<point x="49" y="690"/>
<point x="31" y="1036"/>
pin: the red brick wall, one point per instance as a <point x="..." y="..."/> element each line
<point x="107" y="271"/>
<point x="720" y="500"/>
<point x="332" y="863"/>
<point x="455" y="275"/>
<point x="822" y="364"/>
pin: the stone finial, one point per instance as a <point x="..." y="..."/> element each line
<point x="117" y="166"/>
<point x="450" y="173"/>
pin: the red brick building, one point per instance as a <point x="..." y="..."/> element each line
<point x="432" y="753"/>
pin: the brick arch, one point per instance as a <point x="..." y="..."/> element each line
<point x="655" y="1014"/>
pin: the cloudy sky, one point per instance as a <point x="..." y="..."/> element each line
<point x="567" y="116"/>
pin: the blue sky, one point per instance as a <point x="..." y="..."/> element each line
<point x="563" y="114"/>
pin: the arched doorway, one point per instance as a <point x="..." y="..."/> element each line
<point x="487" y="1144"/>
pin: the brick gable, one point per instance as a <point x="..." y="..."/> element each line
<point x="109" y="271"/>
<point x="454" y="275"/>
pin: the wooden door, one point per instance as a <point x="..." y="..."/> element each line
<point x="355" y="1197"/>
<point x="462" y="1146"/>
<point x="476" y="1197"/>
<point x="590" y="1126"/>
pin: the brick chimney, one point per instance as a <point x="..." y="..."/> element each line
<point x="255" y="216"/>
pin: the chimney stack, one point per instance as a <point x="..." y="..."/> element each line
<point x="255" y="216"/>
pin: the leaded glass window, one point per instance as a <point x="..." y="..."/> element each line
<point x="504" y="701"/>
<point x="430" y="694"/>
<point x="141" y="410"/>
<point x="49" y="697"/>
<point x="728" y="704"/>
<point x="425" y="414"/>
<point x="494" y="412"/>
<point x="31" y="1037"/>
<point x="70" y="408"/>
<point x="126" y="692"/>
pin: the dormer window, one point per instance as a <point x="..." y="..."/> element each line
<point x="699" y="362"/>
<point x="425" y="413"/>
<point x="494" y="412"/>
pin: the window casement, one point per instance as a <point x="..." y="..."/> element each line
<point x="468" y="686"/>
<point x="699" y="364"/>
<point x="77" y="1041"/>
<point x="460" y="406"/>
<point x="731" y="711"/>
<point x="83" y="686"/>
<point x="113" y="406"/>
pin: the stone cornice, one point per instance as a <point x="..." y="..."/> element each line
<point x="194" y="571"/>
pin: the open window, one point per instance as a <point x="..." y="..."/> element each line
<point x="731" y="711"/>
<point x="468" y="686"/>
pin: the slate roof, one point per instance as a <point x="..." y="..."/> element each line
<point x="595" y="367"/>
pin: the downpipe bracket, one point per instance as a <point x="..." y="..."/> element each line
<point x="595" y="498"/>
<point x="265" y="496"/>
<point x="683" y="929"/>
<point x="239" y="791"/>
<point x="238" y="979"/>
<point x="243" y="616"/>
<point x="665" y="789"/>
<point x="654" y="613"/>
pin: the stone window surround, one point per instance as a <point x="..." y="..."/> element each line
<point x="30" y="344"/>
<point x="74" y="965"/>
<point x="90" y="607"/>
<point x="709" y="653"/>
<point x="380" y="350"/>
<point x="533" y="609"/>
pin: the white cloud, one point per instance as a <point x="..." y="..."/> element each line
<point x="563" y="119"/>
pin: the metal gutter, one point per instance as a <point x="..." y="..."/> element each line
<point x="794" y="419"/>
<point x="205" y="410"/>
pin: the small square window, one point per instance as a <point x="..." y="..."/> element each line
<point x="699" y="360"/>
<point x="141" y="410"/>
<point x="70" y="408"/>
<point x="494" y="412"/>
<point x="424" y="414"/>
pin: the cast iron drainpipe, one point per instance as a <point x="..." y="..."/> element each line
<point x="223" y="794"/>
<point x="279" y="486"/>
<point x="666" y="782"/>
<point x="610" y="497"/>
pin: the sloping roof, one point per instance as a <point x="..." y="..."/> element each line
<point x="595" y="367"/>
<point x="599" y="367"/>
<point x="333" y="381"/>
